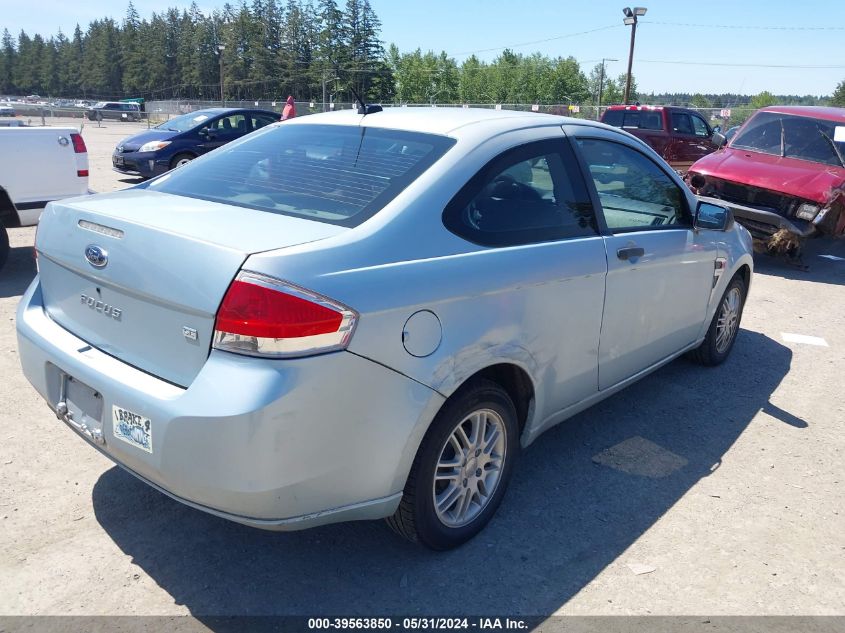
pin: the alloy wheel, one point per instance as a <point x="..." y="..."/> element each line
<point x="469" y="468"/>
<point x="728" y="321"/>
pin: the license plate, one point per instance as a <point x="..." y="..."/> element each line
<point x="79" y="405"/>
<point x="118" y="161"/>
<point x="132" y="428"/>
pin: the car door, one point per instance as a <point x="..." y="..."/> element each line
<point x="703" y="133"/>
<point x="660" y="270"/>
<point x="222" y="130"/>
<point x="531" y="209"/>
<point x="691" y="138"/>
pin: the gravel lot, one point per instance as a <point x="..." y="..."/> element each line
<point x="696" y="491"/>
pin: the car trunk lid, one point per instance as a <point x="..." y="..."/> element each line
<point x="168" y="262"/>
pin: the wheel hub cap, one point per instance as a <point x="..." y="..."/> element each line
<point x="728" y="320"/>
<point x="469" y="468"/>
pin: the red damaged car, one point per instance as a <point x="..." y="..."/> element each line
<point x="782" y="174"/>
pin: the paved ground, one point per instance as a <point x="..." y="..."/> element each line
<point x="722" y="487"/>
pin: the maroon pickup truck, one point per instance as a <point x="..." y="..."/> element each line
<point x="681" y="136"/>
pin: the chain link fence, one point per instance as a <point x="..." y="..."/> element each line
<point x="156" y="112"/>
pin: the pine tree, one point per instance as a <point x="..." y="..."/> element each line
<point x="133" y="53"/>
<point x="7" y="55"/>
<point x="838" y="98"/>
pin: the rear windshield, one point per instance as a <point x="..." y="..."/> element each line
<point x="805" y="138"/>
<point x="336" y="174"/>
<point x="638" y="119"/>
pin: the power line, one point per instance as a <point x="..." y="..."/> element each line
<point x="754" y="27"/>
<point x="740" y="65"/>
<point x="548" y="39"/>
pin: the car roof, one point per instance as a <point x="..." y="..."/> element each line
<point x="224" y="110"/>
<point x="445" y="121"/>
<point x="637" y="107"/>
<point x="819" y="112"/>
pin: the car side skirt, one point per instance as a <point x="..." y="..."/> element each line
<point x="535" y="431"/>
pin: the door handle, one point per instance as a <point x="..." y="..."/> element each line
<point x="631" y="251"/>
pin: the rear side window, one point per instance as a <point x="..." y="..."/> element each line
<point x="613" y="117"/>
<point x="260" y="120"/>
<point x="534" y="193"/>
<point x="330" y="173"/>
<point x="636" y="119"/>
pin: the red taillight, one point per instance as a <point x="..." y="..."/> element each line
<point x="264" y="316"/>
<point x="78" y="144"/>
<point x="82" y="173"/>
<point x="251" y="310"/>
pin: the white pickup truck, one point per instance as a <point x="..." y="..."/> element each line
<point x="37" y="165"/>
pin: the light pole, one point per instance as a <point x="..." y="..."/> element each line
<point x="601" y="84"/>
<point x="220" y="49"/>
<point x="324" y="88"/>
<point x="631" y="16"/>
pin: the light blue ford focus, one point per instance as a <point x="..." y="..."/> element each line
<point x="356" y="316"/>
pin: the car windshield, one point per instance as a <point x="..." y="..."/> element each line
<point x="186" y="122"/>
<point x="792" y="136"/>
<point x="335" y="174"/>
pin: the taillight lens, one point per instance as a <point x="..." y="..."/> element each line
<point x="78" y="144"/>
<point x="264" y="316"/>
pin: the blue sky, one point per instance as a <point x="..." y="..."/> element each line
<point x="784" y="48"/>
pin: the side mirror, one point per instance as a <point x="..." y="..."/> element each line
<point x="711" y="216"/>
<point x="718" y="139"/>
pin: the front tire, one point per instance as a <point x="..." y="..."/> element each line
<point x="721" y="335"/>
<point x="181" y="159"/>
<point x="461" y="470"/>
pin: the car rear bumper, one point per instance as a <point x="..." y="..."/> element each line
<point x="276" y="444"/>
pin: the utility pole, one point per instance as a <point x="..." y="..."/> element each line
<point x="631" y="16"/>
<point x="601" y="84"/>
<point x="324" y="87"/>
<point x="220" y="49"/>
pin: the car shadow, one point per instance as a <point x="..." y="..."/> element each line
<point x="583" y="493"/>
<point x="132" y="180"/>
<point x="18" y="272"/>
<point x="816" y="263"/>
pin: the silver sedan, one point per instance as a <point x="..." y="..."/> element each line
<point x="365" y="315"/>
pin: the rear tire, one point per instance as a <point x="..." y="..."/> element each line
<point x="4" y="245"/>
<point x="471" y="447"/>
<point x="721" y="335"/>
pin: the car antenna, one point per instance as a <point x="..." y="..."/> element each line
<point x="363" y="107"/>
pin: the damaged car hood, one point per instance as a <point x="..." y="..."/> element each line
<point x="789" y="176"/>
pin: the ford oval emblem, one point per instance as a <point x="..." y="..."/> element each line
<point x="96" y="256"/>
